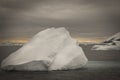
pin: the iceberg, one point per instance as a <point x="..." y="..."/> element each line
<point x="50" y="49"/>
<point x="112" y="43"/>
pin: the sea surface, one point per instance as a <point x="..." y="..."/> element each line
<point x="102" y="65"/>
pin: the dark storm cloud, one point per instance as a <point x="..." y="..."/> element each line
<point x="83" y="18"/>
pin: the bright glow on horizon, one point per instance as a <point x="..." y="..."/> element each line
<point x="90" y="40"/>
<point x="25" y="40"/>
<point x="16" y="40"/>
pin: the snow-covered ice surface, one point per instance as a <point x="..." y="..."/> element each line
<point x="50" y="49"/>
<point x="112" y="43"/>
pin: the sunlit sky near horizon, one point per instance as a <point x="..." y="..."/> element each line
<point x="86" y="20"/>
<point x="25" y="40"/>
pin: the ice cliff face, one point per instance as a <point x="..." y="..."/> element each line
<point x="112" y="43"/>
<point x="50" y="49"/>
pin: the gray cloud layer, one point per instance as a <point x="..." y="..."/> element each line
<point x="83" y="18"/>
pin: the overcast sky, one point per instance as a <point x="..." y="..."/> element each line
<point x="83" y="18"/>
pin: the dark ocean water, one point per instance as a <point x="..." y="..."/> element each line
<point x="102" y="65"/>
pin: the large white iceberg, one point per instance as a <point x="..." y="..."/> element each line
<point x="112" y="43"/>
<point x="50" y="49"/>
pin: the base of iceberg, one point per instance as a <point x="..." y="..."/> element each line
<point x="50" y="49"/>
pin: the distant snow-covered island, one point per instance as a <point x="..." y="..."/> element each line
<point x="112" y="43"/>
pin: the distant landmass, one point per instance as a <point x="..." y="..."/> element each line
<point x="112" y="43"/>
<point x="11" y="44"/>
